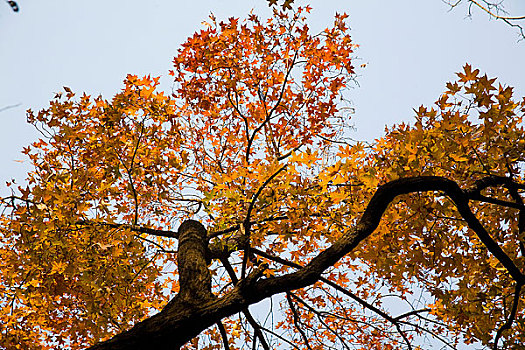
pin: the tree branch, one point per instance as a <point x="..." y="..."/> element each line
<point x="511" y="318"/>
<point x="365" y="304"/>
<point x="256" y="327"/>
<point x="134" y="228"/>
<point x="224" y="336"/>
<point x="492" y="14"/>
<point x="320" y="318"/>
<point x="246" y="223"/>
<point x="10" y="106"/>
<point x="176" y="325"/>
<point x="296" y="321"/>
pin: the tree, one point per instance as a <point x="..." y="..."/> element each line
<point x="251" y="155"/>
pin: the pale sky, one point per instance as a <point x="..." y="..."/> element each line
<point x="411" y="47"/>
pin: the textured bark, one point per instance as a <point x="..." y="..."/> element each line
<point x="194" y="276"/>
<point x="195" y="308"/>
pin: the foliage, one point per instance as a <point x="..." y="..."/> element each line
<point x="253" y="143"/>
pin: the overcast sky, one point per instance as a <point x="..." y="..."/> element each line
<point x="412" y="47"/>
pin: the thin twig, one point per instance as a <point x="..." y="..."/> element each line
<point x="9" y="107"/>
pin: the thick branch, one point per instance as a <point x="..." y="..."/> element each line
<point x="224" y="336"/>
<point x="384" y="195"/>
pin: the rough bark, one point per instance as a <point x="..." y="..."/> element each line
<point x="194" y="276"/>
<point x="195" y="308"/>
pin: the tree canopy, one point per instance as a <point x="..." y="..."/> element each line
<point x="157" y="220"/>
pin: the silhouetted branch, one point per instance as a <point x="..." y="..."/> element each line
<point x="134" y="228"/>
<point x="511" y="318"/>
<point x="224" y="336"/>
<point x="365" y="304"/>
<point x="256" y="327"/>
<point x="320" y="318"/>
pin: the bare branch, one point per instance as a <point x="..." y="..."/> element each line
<point x="494" y="14"/>
<point x="256" y="327"/>
<point x="246" y="223"/>
<point x="365" y="304"/>
<point x="495" y="10"/>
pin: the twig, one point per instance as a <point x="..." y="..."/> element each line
<point x="11" y="106"/>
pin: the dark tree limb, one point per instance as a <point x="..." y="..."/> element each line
<point x="224" y="335"/>
<point x="499" y="202"/>
<point x="256" y="327"/>
<point x="134" y="228"/>
<point x="513" y="189"/>
<point x="508" y="324"/>
<point x="433" y="334"/>
<point x="410" y="313"/>
<point x="246" y="227"/>
<point x="280" y="337"/>
<point x="320" y="318"/>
